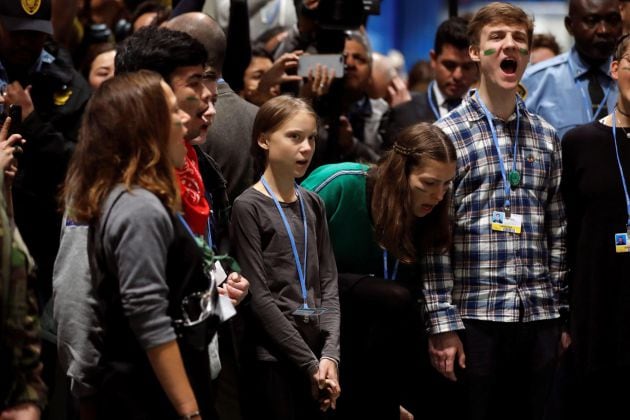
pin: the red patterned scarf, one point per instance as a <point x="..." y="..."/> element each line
<point x="196" y="207"/>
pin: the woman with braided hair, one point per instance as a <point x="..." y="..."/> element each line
<point x="381" y="218"/>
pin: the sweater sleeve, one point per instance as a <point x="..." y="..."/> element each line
<point x="137" y="237"/>
<point x="247" y="242"/>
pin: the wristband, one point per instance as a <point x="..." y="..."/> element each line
<point x="190" y="416"/>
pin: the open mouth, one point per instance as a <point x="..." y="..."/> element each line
<point x="509" y="65"/>
<point x="302" y="162"/>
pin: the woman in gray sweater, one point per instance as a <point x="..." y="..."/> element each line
<point x="150" y="290"/>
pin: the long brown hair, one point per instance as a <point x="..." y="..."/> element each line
<point x="124" y="138"/>
<point x="395" y="225"/>
<point x="271" y="115"/>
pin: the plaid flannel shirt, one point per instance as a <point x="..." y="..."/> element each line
<point x="500" y="276"/>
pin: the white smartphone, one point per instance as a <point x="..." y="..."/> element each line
<point x="308" y="62"/>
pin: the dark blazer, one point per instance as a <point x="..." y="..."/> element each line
<point x="229" y="140"/>
<point x="412" y="112"/>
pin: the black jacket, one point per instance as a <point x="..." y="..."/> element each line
<point x="59" y="95"/>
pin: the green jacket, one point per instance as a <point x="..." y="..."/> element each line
<point x="342" y="186"/>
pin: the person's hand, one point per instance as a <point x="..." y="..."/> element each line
<point x="565" y="342"/>
<point x="8" y="148"/>
<point x="26" y="411"/>
<point x="397" y="92"/>
<point x="235" y="287"/>
<point x="318" y="82"/>
<point x="15" y="94"/>
<point x="311" y="4"/>
<point x="277" y="73"/>
<point x="327" y="382"/>
<point x="405" y="414"/>
<point x="444" y="348"/>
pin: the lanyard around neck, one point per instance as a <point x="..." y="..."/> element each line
<point x="386" y="267"/>
<point x="586" y="99"/>
<point x="301" y="269"/>
<point x="506" y="183"/>
<point x="623" y="178"/>
<point x="431" y="98"/>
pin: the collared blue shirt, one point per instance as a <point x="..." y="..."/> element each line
<point x="553" y="90"/>
<point x="499" y="276"/>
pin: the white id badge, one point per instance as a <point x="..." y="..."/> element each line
<point x="306" y="313"/>
<point x="501" y="223"/>
<point x="621" y="243"/>
<point x="219" y="273"/>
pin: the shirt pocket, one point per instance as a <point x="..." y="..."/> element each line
<point x="535" y="164"/>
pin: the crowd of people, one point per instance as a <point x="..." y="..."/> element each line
<point x="191" y="230"/>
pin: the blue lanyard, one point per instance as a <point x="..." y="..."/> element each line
<point x="623" y="178"/>
<point x="210" y="216"/>
<point x="301" y="270"/>
<point x="386" y="269"/>
<point x="586" y="99"/>
<point x="495" y="140"/>
<point x="431" y="98"/>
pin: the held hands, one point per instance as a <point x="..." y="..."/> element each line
<point x="235" y="287"/>
<point x="325" y="384"/>
<point x="444" y="348"/>
<point x="15" y="94"/>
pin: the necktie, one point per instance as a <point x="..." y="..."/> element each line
<point x="595" y="91"/>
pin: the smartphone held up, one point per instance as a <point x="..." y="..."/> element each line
<point x="308" y="63"/>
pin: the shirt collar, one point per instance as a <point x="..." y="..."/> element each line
<point x="439" y="97"/>
<point x="579" y="67"/>
<point x="475" y="112"/>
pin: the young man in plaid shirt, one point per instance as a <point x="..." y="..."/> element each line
<point x="494" y="301"/>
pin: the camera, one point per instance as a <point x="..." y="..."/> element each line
<point x="346" y="14"/>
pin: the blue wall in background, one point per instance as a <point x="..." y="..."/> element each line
<point x="409" y="26"/>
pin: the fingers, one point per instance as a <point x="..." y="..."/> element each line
<point x="287" y="78"/>
<point x="443" y="361"/>
<point x="234" y="277"/>
<point x="5" y="129"/>
<point x="462" y="360"/>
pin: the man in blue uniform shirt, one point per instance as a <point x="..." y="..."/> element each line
<point x="575" y="87"/>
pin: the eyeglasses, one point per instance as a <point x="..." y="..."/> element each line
<point x="197" y="307"/>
